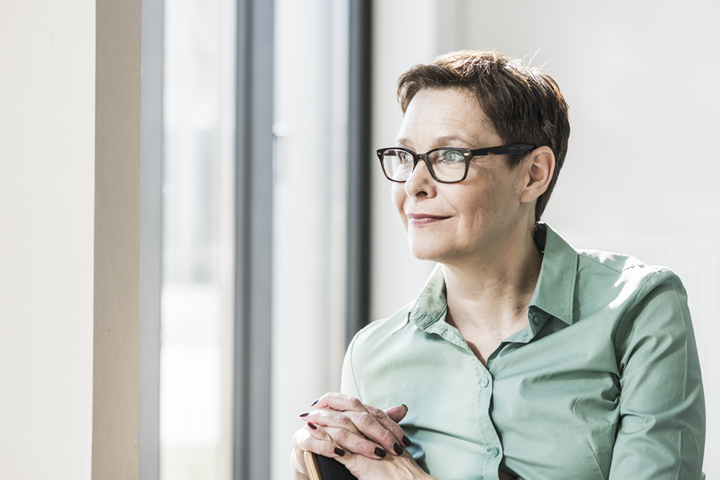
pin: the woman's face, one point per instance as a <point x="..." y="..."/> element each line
<point x="448" y="223"/>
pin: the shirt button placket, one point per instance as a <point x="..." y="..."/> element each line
<point x="493" y="451"/>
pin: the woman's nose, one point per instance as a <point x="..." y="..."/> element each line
<point x="420" y="182"/>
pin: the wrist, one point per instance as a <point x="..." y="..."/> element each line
<point x="414" y="472"/>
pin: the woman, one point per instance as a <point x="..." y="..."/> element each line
<point x="521" y="357"/>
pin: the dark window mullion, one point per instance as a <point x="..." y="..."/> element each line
<point x="359" y="164"/>
<point x="254" y="208"/>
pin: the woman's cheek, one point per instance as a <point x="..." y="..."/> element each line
<point x="398" y="198"/>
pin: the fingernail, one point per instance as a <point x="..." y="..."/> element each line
<point x="406" y="407"/>
<point x="380" y="452"/>
<point x="339" y="451"/>
<point x="313" y="403"/>
<point x="311" y="426"/>
<point x="398" y="449"/>
<point x="406" y="441"/>
<point x="304" y="414"/>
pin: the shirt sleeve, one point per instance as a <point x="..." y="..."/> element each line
<point x="661" y="435"/>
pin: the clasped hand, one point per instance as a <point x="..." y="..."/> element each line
<point x="366" y="439"/>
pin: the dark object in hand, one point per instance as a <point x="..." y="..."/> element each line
<point x="324" y="468"/>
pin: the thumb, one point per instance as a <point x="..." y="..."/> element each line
<point x="397" y="412"/>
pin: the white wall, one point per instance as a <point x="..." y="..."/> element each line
<point x="640" y="78"/>
<point x="406" y="33"/>
<point x="69" y="197"/>
<point x="309" y="216"/>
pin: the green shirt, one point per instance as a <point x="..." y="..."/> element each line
<point x="603" y="383"/>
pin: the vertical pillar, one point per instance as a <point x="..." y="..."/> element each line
<point x="69" y="206"/>
<point x="359" y="164"/>
<point x="116" y="331"/>
<point x="151" y="238"/>
<point x="254" y="220"/>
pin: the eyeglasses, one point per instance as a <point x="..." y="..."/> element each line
<point x="446" y="165"/>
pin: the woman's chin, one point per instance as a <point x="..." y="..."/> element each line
<point x="426" y="252"/>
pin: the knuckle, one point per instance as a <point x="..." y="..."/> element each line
<point x="345" y="421"/>
<point x="364" y="419"/>
<point x="353" y="463"/>
<point x="384" y="420"/>
<point x="299" y="437"/>
<point x="355" y="404"/>
<point x="342" y="436"/>
<point x="387" y="437"/>
<point x="303" y="443"/>
<point x="368" y="449"/>
<point x="393" y="427"/>
<point x="327" y="449"/>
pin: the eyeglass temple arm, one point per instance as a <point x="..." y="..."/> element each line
<point x="503" y="150"/>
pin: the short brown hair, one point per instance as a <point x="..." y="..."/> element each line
<point x="522" y="104"/>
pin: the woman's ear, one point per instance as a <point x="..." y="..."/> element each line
<point x="540" y="166"/>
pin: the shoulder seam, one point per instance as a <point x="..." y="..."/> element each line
<point x="685" y="330"/>
<point x="583" y="254"/>
<point x="632" y="303"/>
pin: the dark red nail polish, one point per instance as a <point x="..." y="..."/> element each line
<point x="398" y="449"/>
<point x="304" y="414"/>
<point x="406" y="441"/>
<point x="380" y="452"/>
<point x="311" y="426"/>
<point x="313" y="403"/>
<point x="339" y="451"/>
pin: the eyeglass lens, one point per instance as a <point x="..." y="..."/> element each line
<point x="448" y="165"/>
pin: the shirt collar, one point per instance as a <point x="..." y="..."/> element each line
<point x="553" y="294"/>
<point x="432" y="302"/>
<point x="555" y="289"/>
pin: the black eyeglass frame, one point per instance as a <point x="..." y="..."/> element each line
<point x="467" y="153"/>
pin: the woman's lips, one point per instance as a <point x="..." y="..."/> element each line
<point x="418" y="219"/>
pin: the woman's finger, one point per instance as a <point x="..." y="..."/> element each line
<point x="396" y="413"/>
<point x="297" y="460"/>
<point x="353" y="443"/>
<point x="374" y="430"/>
<point x="309" y="439"/>
<point x="390" y="468"/>
<point x="363" y="420"/>
<point x="298" y="467"/>
<point x="390" y="423"/>
<point x="317" y="440"/>
<point x="345" y="432"/>
<point x="339" y="402"/>
<point x="330" y="418"/>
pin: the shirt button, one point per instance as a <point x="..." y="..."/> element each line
<point x="495" y="451"/>
<point x="485" y="382"/>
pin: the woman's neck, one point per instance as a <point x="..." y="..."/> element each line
<point x="488" y="296"/>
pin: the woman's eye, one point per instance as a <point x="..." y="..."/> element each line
<point x="404" y="157"/>
<point x="451" y="156"/>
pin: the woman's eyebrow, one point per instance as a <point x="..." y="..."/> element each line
<point x="446" y="141"/>
<point x="440" y="142"/>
